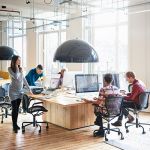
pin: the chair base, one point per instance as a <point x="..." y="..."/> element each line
<point x="107" y="131"/>
<point x="34" y="123"/>
<point x="5" y="114"/>
<point x="137" y="124"/>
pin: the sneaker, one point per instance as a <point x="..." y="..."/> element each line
<point x="15" y="130"/>
<point x="117" y="123"/>
<point x="100" y="133"/>
<point x="130" y="120"/>
<point x="17" y="127"/>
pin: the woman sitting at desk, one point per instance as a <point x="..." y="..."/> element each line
<point x="106" y="91"/>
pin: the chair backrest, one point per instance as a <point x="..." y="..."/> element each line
<point x="113" y="105"/>
<point x="26" y="102"/>
<point x="130" y="87"/>
<point x="144" y="100"/>
<point x="6" y="87"/>
<point x="2" y="92"/>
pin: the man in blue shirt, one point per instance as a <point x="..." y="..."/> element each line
<point x="34" y="75"/>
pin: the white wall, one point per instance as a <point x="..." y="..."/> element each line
<point x="3" y="41"/>
<point x="139" y="43"/>
<point x="74" y="31"/>
<point x="31" y="39"/>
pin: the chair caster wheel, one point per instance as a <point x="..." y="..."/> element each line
<point x="106" y="139"/>
<point x="1" y="121"/>
<point x="122" y="138"/>
<point x="47" y="127"/>
<point x="39" y="131"/>
<point x="144" y="132"/>
<point x="23" y="132"/>
<point x="94" y="134"/>
<point x="127" y="131"/>
<point x="23" y="129"/>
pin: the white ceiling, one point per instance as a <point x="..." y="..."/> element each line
<point x="76" y="5"/>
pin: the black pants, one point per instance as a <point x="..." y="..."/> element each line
<point x="125" y="105"/>
<point x="24" y="107"/>
<point x="99" y="121"/>
<point x="15" y="108"/>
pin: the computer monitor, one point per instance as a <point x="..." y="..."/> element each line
<point x="86" y="83"/>
<point x="68" y="79"/>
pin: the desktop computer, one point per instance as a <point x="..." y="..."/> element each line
<point x="87" y="85"/>
<point x="68" y="80"/>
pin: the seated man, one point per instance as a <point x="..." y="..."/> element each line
<point x="107" y="90"/>
<point x="131" y="99"/>
<point x="34" y="75"/>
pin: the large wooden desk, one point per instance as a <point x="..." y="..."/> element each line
<point x="4" y="81"/>
<point x="67" y="111"/>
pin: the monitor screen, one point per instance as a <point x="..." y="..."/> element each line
<point x="68" y="79"/>
<point x="86" y="83"/>
<point x="54" y="83"/>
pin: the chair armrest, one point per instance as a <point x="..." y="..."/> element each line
<point x="37" y="103"/>
<point x="2" y="99"/>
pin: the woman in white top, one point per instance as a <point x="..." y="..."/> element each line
<point x="15" y="88"/>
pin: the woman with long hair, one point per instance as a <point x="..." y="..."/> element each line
<point x="15" y="88"/>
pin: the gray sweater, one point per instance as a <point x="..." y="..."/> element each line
<point x="16" y="85"/>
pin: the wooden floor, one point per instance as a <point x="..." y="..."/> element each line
<point x="56" y="138"/>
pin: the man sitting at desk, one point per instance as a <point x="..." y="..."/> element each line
<point x="106" y="91"/>
<point x="34" y="75"/>
<point x="131" y="99"/>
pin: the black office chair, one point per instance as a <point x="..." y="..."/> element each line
<point x="110" y="111"/>
<point x="5" y="104"/>
<point x="36" y="110"/>
<point x="143" y="104"/>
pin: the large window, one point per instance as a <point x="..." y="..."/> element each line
<point x="17" y="38"/>
<point x="48" y="43"/>
<point x="108" y="33"/>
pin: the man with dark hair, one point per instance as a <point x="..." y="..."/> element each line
<point x="34" y="75"/>
<point x="107" y="90"/>
<point x="131" y="99"/>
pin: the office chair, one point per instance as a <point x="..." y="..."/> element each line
<point x="110" y="111"/>
<point x="144" y="103"/>
<point x="5" y="104"/>
<point x="35" y="110"/>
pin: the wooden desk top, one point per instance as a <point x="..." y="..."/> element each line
<point x="4" y="81"/>
<point x="64" y="99"/>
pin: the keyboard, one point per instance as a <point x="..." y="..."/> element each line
<point x="89" y="96"/>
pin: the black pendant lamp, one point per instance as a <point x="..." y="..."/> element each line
<point x="6" y="53"/>
<point x="75" y="51"/>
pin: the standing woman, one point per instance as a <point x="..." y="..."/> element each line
<point x="15" y="88"/>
